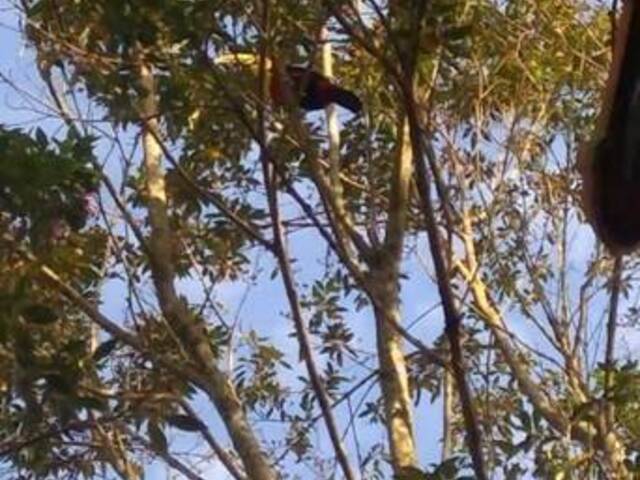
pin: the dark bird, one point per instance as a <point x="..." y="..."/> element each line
<point x="313" y="90"/>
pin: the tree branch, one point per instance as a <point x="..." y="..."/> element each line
<point x="186" y="327"/>
<point x="451" y="315"/>
<point x="284" y="264"/>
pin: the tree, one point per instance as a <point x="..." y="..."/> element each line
<point x="455" y="190"/>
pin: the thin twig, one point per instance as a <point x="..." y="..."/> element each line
<point x="222" y="454"/>
<point x="609" y="360"/>
<point x="170" y="460"/>
<point x="614" y="23"/>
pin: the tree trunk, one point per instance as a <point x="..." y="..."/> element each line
<point x="447" y="415"/>
<point x="215" y="382"/>
<point x="393" y="370"/>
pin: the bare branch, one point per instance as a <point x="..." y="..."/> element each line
<point x="223" y="456"/>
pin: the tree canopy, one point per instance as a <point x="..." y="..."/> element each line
<point x="197" y="280"/>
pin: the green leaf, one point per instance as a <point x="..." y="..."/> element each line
<point x="41" y="138"/>
<point x="458" y="33"/>
<point x="525" y="419"/>
<point x="104" y="349"/>
<point x="39" y="314"/>
<point x="157" y="437"/>
<point x="91" y="403"/>
<point x="410" y="473"/>
<point x="59" y="383"/>
<point x="186" y="423"/>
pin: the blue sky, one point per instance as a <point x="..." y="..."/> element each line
<point x="263" y="308"/>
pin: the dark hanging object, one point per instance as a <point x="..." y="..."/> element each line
<point x="610" y="166"/>
<point x="314" y="89"/>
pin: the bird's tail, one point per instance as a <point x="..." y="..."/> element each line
<point x="346" y="99"/>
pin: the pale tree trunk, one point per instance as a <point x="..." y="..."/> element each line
<point x="393" y="376"/>
<point x="404" y="25"/>
<point x="447" y="415"/>
<point x="384" y="289"/>
<point x="383" y="286"/>
<point x="186" y="326"/>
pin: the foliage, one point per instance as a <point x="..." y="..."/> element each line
<point x="265" y="307"/>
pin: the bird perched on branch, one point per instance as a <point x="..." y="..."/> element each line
<point x="611" y="166"/>
<point x="297" y="84"/>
